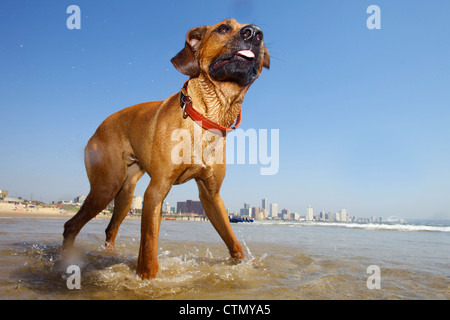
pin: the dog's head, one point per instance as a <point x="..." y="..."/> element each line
<point x="226" y="52"/>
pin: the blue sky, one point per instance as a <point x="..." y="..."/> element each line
<point x="363" y="115"/>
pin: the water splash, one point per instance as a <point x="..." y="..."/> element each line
<point x="248" y="249"/>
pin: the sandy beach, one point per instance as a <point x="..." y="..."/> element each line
<point x="8" y="210"/>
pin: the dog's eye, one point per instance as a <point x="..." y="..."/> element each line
<point x="223" y="28"/>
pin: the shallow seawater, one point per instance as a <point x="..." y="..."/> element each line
<point x="282" y="262"/>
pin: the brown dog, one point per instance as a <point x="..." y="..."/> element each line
<point x="222" y="62"/>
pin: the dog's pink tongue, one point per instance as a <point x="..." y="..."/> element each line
<point x="246" y="53"/>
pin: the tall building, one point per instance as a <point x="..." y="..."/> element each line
<point x="245" y="212"/>
<point x="322" y="216"/>
<point x="190" y="206"/>
<point x="273" y="210"/>
<point x="331" y="216"/>
<point x="285" y="214"/>
<point x="168" y="208"/>
<point x="265" y="203"/>
<point x="136" y="203"/>
<point x="343" y="215"/>
<point x="309" y="214"/>
<point x="265" y="208"/>
<point x="256" y="213"/>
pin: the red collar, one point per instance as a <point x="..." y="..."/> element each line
<point x="188" y="110"/>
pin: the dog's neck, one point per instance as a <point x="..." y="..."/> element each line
<point x="219" y="102"/>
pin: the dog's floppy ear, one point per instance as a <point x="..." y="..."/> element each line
<point x="266" y="58"/>
<point x="185" y="61"/>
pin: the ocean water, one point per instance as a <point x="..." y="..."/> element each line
<point x="284" y="261"/>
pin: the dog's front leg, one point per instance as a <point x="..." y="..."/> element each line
<point x="217" y="214"/>
<point x="150" y="223"/>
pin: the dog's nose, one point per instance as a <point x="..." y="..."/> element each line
<point x="252" y="34"/>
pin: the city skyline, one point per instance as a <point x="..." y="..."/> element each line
<point x="304" y="211"/>
<point x="258" y="213"/>
<point x="361" y="115"/>
<point x="265" y="212"/>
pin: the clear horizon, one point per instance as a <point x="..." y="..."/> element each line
<point x="363" y="115"/>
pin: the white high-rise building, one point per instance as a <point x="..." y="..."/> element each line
<point x="309" y="214"/>
<point x="168" y="208"/>
<point x="136" y="203"/>
<point x="274" y="210"/>
<point x="343" y="215"/>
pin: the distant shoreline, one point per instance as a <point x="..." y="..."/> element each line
<point x="11" y="211"/>
<point x="8" y="210"/>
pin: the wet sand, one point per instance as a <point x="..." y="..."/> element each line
<point x="12" y="211"/>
